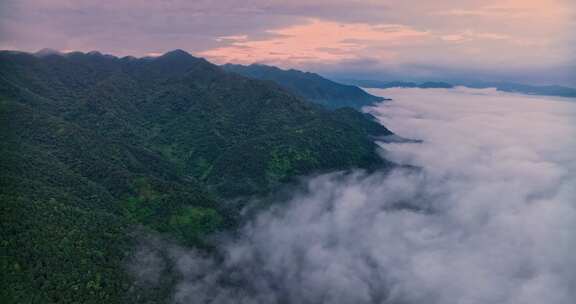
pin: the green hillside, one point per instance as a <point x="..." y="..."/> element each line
<point x="97" y="149"/>
<point x="309" y="85"/>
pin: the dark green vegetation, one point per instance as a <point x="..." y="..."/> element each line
<point x="309" y="85"/>
<point x="95" y="149"/>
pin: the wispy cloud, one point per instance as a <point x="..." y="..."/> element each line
<point x="317" y="41"/>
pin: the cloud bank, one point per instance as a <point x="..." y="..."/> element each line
<point x="489" y="218"/>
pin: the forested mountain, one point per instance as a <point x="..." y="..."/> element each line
<point x="94" y="146"/>
<point x="309" y="85"/>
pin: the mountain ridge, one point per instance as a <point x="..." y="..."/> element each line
<point x="309" y="85"/>
<point x="96" y="147"/>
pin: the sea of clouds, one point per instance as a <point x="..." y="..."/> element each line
<point x="490" y="216"/>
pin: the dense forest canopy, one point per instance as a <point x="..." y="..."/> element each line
<point x="98" y="149"/>
<point x="308" y="85"/>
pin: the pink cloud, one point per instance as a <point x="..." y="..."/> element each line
<point x="317" y="40"/>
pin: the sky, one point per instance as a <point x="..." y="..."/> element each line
<point x="532" y="40"/>
<point x="489" y="217"/>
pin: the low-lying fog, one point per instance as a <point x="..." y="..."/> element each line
<point x="490" y="218"/>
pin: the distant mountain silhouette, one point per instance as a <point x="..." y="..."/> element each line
<point x="365" y="83"/>
<point x="548" y="90"/>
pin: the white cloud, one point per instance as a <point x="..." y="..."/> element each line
<point x="490" y="218"/>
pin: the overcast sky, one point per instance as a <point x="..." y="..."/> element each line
<point x="528" y="39"/>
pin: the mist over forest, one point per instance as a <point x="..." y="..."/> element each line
<point x="485" y="218"/>
<point x="287" y="152"/>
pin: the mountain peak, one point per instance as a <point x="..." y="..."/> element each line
<point x="177" y="53"/>
<point x="179" y="62"/>
<point x="47" y="52"/>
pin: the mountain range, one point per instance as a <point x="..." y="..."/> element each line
<point x="308" y="85"/>
<point x="548" y="90"/>
<point x="98" y="150"/>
